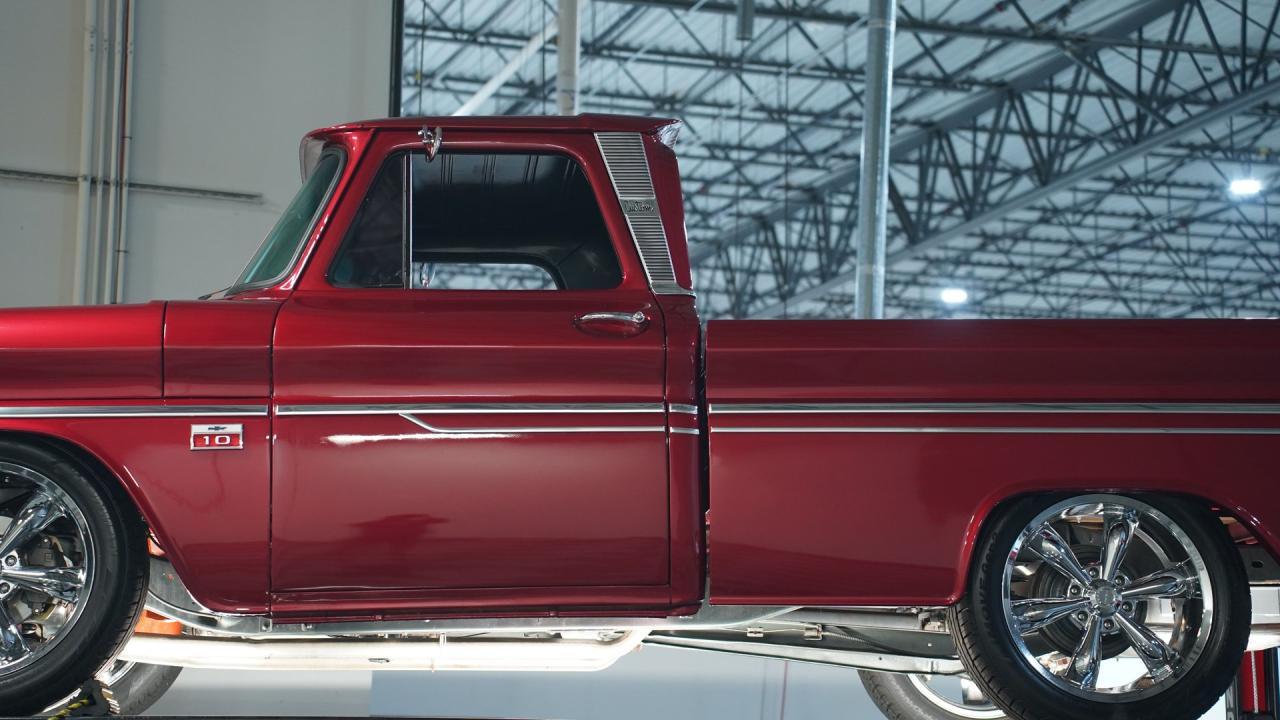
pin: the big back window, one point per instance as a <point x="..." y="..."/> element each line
<point x="479" y="221"/>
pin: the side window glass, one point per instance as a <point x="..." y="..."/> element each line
<point x="372" y="254"/>
<point x="482" y="221"/>
<point x="507" y="221"/>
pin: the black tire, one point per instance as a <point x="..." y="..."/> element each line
<point x="988" y="651"/>
<point x="112" y="601"/>
<point x="139" y="686"/>
<point x="900" y="699"/>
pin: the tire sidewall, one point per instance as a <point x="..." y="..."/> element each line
<point x="139" y="688"/>
<point x="898" y="698"/>
<point x="112" y="597"/>
<point x="1190" y="696"/>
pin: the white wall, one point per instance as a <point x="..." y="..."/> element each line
<point x="40" y="68"/>
<point x="223" y="92"/>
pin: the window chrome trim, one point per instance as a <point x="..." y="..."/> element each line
<point x="965" y="407"/>
<point x="94" y="411"/>
<point x="312" y="227"/>
<point x="628" y="168"/>
<point x="471" y="409"/>
<point x="1011" y="430"/>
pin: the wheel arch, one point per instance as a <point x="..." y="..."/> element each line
<point x="112" y="478"/>
<point x="983" y="520"/>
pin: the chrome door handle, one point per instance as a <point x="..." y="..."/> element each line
<point x="612" y="324"/>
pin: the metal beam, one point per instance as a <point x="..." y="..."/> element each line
<point x="1063" y="182"/>
<point x="873" y="186"/>
<point x="971" y="30"/>
<point x="843" y="175"/>
<point x="513" y="66"/>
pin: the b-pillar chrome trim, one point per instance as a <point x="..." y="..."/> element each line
<point x="628" y="167"/>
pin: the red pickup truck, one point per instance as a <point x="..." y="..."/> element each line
<point x="462" y="393"/>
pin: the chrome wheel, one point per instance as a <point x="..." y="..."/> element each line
<point x="958" y="696"/>
<point x="1107" y="598"/>
<point x="46" y="565"/>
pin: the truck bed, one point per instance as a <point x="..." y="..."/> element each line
<point x="852" y="463"/>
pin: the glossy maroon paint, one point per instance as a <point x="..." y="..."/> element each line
<point x="891" y="517"/>
<point x="208" y="509"/>
<point x="666" y="184"/>
<point x="80" y="353"/>
<point x="218" y="349"/>
<point x="328" y="516"/>
<point x="994" y="360"/>
<point x="688" y="491"/>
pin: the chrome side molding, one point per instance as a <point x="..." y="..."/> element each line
<point x="1011" y="407"/>
<point x="496" y="408"/>
<point x="1022" y="430"/>
<point x="138" y="411"/>
<point x="435" y="429"/>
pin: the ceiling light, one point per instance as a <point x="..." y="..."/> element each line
<point x="1245" y="187"/>
<point x="954" y="296"/>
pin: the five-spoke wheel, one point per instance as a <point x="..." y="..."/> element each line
<point x="1107" y="605"/>
<point x="1129" y="584"/>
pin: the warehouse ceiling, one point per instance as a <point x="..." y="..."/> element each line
<point x="1050" y="158"/>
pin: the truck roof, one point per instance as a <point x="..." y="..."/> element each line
<point x="594" y="122"/>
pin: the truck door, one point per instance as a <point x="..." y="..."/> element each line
<point x="469" y="380"/>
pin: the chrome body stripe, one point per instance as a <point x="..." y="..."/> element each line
<point x="684" y="409"/>
<point x="137" y="411"/>
<point x="965" y="407"/>
<point x="525" y="430"/>
<point x="472" y="409"/>
<point x="1012" y="430"/>
<point x="684" y="431"/>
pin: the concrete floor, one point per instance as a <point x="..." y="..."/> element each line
<point x="664" y="683"/>
<point x="655" y="683"/>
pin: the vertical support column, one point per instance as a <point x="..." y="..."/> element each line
<point x="568" y="49"/>
<point x="873" y="190"/>
<point x="397" y="59"/>
<point x="746" y="20"/>
<point x="84" y="183"/>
